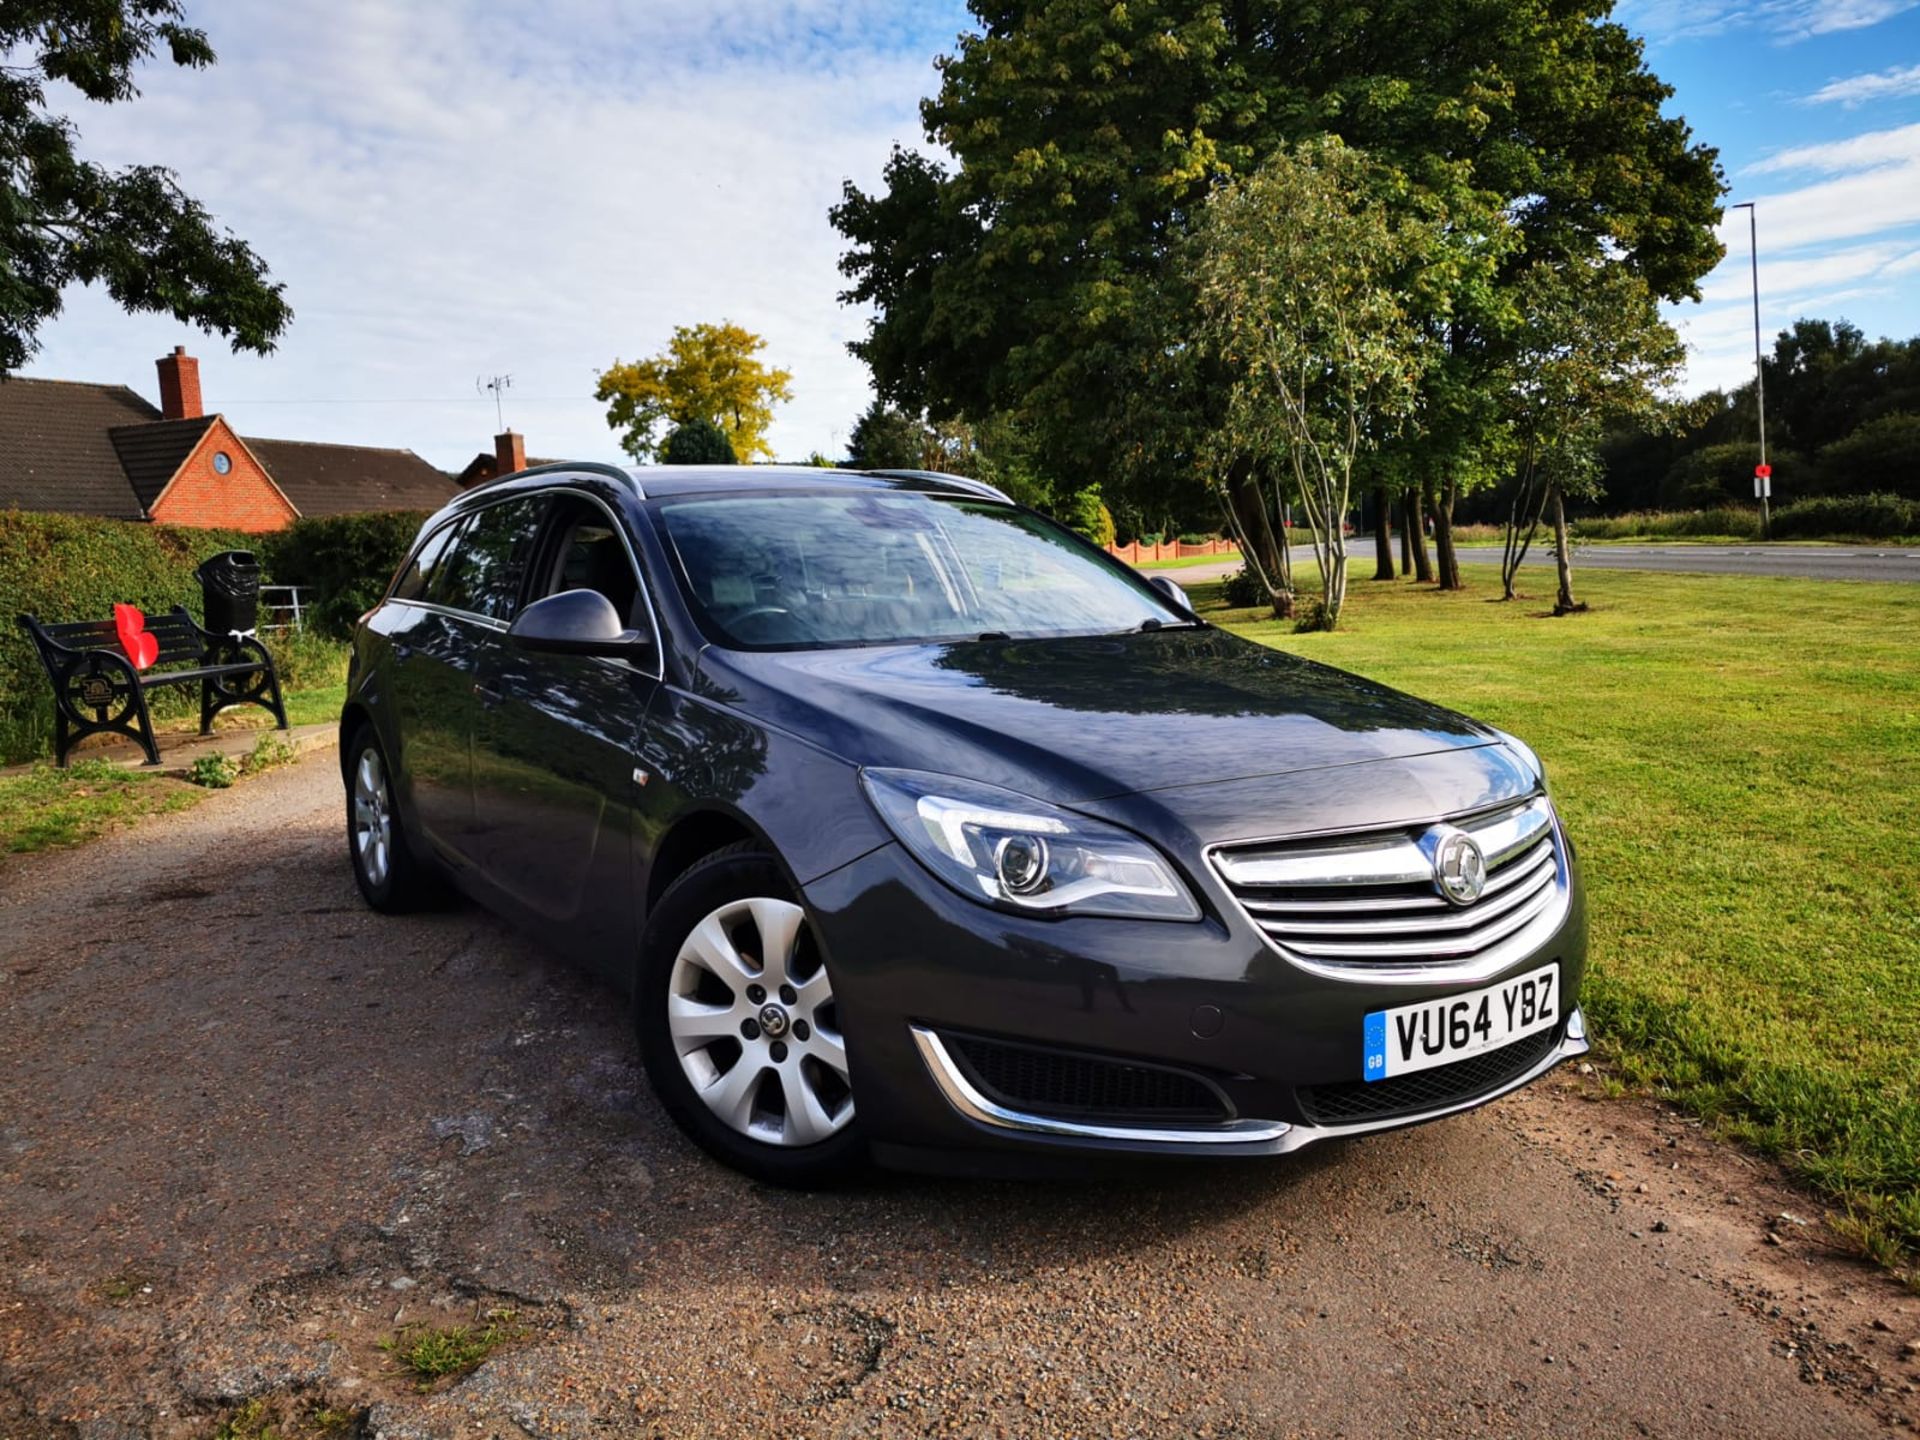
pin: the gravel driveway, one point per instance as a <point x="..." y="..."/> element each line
<point x="249" y="1129"/>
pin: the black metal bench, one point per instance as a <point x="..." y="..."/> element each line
<point x="97" y="690"/>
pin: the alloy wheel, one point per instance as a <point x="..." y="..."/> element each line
<point x="752" y="1016"/>
<point x="372" y="818"/>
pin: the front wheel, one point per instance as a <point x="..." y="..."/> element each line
<point x="739" y="1027"/>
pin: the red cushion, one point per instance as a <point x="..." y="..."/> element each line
<point x="141" y="648"/>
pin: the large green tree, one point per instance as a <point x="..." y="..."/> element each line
<point x="1039" y="272"/>
<point x="67" y="221"/>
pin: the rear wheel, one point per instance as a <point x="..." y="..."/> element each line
<point x="739" y="1026"/>
<point x="390" y="876"/>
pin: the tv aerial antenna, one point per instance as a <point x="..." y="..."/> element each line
<point x="497" y="386"/>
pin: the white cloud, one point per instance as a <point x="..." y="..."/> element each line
<point x="1719" y="338"/>
<point x="1786" y="21"/>
<point x="1731" y="280"/>
<point x="1839" y="157"/>
<point x="1859" y="89"/>
<point x="451" y="192"/>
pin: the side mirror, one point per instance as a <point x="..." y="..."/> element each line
<point x="578" y="622"/>
<point x="1171" y="589"/>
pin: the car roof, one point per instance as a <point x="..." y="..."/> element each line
<point x="647" y="482"/>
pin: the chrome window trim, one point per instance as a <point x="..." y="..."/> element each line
<point x="1271" y="1137"/>
<point x="1506" y="951"/>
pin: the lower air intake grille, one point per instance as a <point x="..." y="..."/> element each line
<point x="1354" y="1101"/>
<point x="1063" y="1083"/>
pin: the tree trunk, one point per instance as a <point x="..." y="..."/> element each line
<point x="1382" y="534"/>
<point x="1336" y="591"/>
<point x="1564" y="603"/>
<point x="1417" y="528"/>
<point x="1406" y="533"/>
<point x="1449" y="561"/>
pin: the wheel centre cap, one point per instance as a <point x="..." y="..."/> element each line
<point x="773" y="1020"/>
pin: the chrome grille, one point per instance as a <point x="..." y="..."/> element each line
<point x="1372" y="900"/>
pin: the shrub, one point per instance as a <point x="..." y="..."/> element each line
<point x="215" y="771"/>
<point x="1243" y="589"/>
<point x="1723" y="474"/>
<point x="698" y="442"/>
<point x="1724" y="520"/>
<point x="1873" y="516"/>
<point x="1085" y="512"/>
<point x="346" y="562"/>
<point x="1881" y="458"/>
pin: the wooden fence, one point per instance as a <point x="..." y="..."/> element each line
<point x="1137" y="553"/>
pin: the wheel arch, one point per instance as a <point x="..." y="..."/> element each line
<point x="692" y="838"/>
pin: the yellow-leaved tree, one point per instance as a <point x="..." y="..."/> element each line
<point x="709" y="372"/>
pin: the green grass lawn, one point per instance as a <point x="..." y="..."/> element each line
<point x="1738" y="762"/>
<point x="1187" y="562"/>
<point x="46" y="808"/>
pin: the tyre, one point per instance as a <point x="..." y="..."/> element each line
<point x="391" y="877"/>
<point x="739" y="1028"/>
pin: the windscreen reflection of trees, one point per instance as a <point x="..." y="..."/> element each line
<point x="823" y="570"/>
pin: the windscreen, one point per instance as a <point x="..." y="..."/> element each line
<point x="811" y="571"/>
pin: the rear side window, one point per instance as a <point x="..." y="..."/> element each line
<point x="481" y="571"/>
<point x="412" y="584"/>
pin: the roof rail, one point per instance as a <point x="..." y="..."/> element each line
<point x="557" y="467"/>
<point x="940" y="479"/>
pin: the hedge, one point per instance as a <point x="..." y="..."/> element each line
<point x="1877" y="517"/>
<point x="345" y="560"/>
<point x="76" y="567"/>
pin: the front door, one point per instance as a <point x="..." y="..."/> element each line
<point x="467" y="602"/>
<point x="557" y="741"/>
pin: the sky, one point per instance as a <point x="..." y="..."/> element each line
<point x="455" y="191"/>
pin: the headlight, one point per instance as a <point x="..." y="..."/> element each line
<point x="1527" y="758"/>
<point x="1001" y="848"/>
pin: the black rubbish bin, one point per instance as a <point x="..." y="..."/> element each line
<point x="230" y="588"/>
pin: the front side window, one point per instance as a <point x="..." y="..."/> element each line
<point x="588" y="554"/>
<point x="808" y="571"/>
<point x="481" y="571"/>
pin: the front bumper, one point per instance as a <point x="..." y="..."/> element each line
<point x="913" y="962"/>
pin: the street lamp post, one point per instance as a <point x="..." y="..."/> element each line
<point x="1763" y="476"/>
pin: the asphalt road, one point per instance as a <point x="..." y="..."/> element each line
<point x="248" y="1130"/>
<point x="1811" y="562"/>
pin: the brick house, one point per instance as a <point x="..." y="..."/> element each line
<point x="103" y="450"/>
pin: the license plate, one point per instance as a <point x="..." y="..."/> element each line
<point x="1438" y="1032"/>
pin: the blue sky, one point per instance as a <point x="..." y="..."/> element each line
<point x="452" y="191"/>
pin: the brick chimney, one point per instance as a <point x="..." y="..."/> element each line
<point x="509" y="453"/>
<point x="179" y="385"/>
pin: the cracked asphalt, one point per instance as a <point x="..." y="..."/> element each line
<point x="249" y="1130"/>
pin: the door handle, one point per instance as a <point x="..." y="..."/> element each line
<point x="401" y="650"/>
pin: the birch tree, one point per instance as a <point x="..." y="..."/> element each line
<point x="1298" y="272"/>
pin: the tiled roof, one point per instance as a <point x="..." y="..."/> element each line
<point x="150" y="453"/>
<point x="56" y="447"/>
<point x="343" y="479"/>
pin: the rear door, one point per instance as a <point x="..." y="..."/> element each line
<point x="469" y="600"/>
<point x="557" y="740"/>
<point x="432" y="696"/>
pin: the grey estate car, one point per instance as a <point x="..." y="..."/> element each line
<point x="919" y="829"/>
